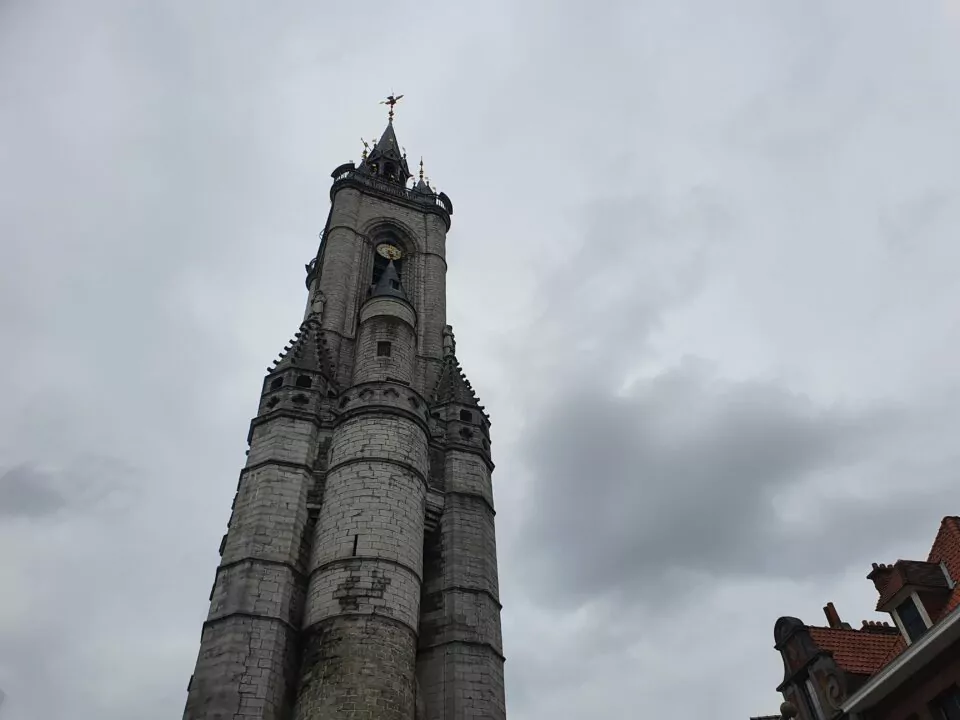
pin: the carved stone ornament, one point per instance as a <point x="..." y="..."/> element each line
<point x="833" y="687"/>
<point x="449" y="343"/>
<point x="316" y="306"/>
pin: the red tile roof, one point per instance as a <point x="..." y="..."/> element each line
<point x="868" y="650"/>
<point x="946" y="549"/>
<point x="857" y="651"/>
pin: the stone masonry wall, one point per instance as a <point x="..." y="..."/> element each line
<point x="363" y="602"/>
<point x="432" y="309"/>
<point x="399" y="333"/>
<point x="246" y="666"/>
<point x="460" y="660"/>
<point x="355" y="220"/>
<point x="329" y="602"/>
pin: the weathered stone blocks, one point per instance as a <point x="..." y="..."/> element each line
<point x="357" y="667"/>
<point x="329" y="601"/>
<point x="366" y="566"/>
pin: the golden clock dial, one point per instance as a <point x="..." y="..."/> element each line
<point x="390" y="252"/>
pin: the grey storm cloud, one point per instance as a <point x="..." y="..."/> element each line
<point x="686" y="472"/>
<point x="701" y="274"/>
<point x="84" y="484"/>
<point x="28" y="493"/>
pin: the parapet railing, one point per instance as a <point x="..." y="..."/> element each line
<point x="440" y="200"/>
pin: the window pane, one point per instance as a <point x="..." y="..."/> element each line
<point x="910" y="617"/>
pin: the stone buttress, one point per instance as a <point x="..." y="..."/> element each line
<point x="461" y="651"/>
<point x="249" y="651"/>
<point x="358" y="576"/>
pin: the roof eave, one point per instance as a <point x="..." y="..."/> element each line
<point x="916" y="656"/>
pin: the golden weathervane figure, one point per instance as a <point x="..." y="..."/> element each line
<point x="391" y="100"/>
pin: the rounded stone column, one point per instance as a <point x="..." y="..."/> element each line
<point x="366" y="566"/>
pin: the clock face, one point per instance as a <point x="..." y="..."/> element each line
<point x="390" y="252"/>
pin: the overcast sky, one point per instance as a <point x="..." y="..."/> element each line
<point x="703" y="273"/>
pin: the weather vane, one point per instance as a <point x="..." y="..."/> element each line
<point x="391" y="100"/>
<point x="366" y="148"/>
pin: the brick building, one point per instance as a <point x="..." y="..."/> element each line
<point x="906" y="669"/>
<point x="358" y="574"/>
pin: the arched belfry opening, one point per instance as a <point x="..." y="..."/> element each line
<point x="387" y="248"/>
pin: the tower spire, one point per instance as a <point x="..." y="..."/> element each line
<point x="421" y="185"/>
<point x="387" y="159"/>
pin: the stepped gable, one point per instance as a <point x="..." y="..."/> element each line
<point x="307" y="351"/>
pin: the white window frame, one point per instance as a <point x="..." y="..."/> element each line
<point x="951" y="584"/>
<point x="920" y="609"/>
<point x="814" y="698"/>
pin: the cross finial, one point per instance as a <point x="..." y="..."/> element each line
<point x="391" y="100"/>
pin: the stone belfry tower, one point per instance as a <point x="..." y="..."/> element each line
<point x="358" y="575"/>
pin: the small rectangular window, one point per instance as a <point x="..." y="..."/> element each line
<point x="383" y="349"/>
<point x="911" y="620"/>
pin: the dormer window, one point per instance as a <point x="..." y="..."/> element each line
<point x="912" y="619"/>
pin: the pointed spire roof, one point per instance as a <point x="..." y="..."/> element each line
<point x="389" y="284"/>
<point x="453" y="387"/>
<point x="452" y="384"/>
<point x="388" y="146"/>
<point x="388" y="151"/>
<point x="422" y="186"/>
<point x="307" y="351"/>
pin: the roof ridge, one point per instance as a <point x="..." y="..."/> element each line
<point x="828" y="627"/>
